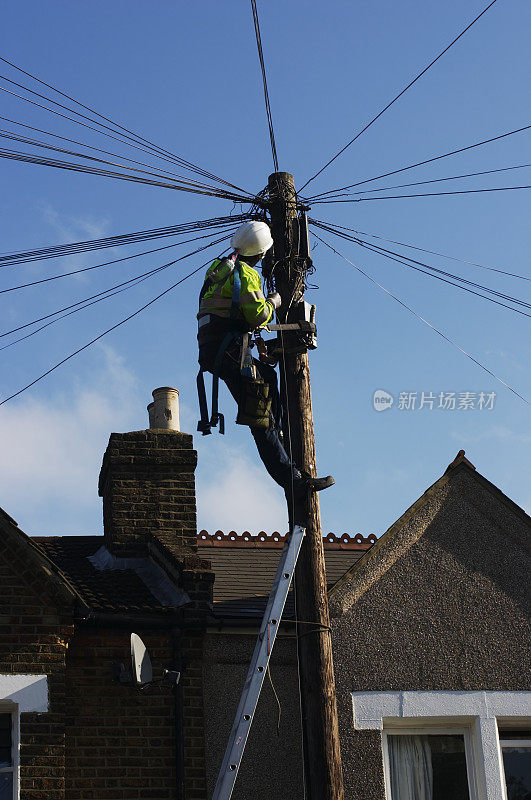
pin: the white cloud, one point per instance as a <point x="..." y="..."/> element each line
<point x="70" y="227"/>
<point x="499" y="433"/>
<point x="236" y="493"/>
<point x="506" y="356"/>
<point x="74" y="229"/>
<point x="52" y="449"/>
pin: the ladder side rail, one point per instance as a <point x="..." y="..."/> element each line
<point x="258" y="666"/>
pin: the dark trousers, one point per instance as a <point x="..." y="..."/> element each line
<point x="270" y="447"/>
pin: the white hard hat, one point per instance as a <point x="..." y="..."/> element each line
<point x="252" y="238"/>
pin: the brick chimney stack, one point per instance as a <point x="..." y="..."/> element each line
<point x="147" y="483"/>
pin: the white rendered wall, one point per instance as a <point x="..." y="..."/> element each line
<point x="28" y="692"/>
<point x="476" y="713"/>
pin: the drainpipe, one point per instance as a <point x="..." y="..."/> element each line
<point x="177" y="637"/>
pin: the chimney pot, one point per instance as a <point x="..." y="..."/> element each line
<point x="164" y="410"/>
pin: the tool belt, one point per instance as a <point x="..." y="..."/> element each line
<point x="211" y="328"/>
<point x="254" y="402"/>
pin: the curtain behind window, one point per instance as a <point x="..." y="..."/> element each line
<point x="410" y="767"/>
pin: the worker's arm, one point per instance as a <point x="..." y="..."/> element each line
<point x="256" y="309"/>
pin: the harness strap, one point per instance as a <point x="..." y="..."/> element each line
<point x="205" y="424"/>
<point x="236" y="290"/>
<point x="216" y="414"/>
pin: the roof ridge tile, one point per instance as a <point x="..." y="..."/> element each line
<point x="275" y="539"/>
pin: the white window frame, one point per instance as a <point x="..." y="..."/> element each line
<point x="474" y="714"/>
<point x="20" y="694"/>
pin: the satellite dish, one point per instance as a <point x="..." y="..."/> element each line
<point x="140" y="662"/>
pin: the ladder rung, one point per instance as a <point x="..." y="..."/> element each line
<point x="258" y="666"/>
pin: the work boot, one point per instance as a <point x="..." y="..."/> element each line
<point x="318" y="484"/>
<point x="302" y="486"/>
<point x="308" y="484"/>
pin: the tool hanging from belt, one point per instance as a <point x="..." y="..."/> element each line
<point x="254" y="402"/>
<point x="205" y="423"/>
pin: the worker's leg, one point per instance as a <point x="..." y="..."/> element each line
<point x="268" y="443"/>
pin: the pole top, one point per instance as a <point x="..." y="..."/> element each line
<point x="285" y="177"/>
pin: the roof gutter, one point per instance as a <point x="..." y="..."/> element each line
<point x="166" y="621"/>
<point x="170" y="620"/>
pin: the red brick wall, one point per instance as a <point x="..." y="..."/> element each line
<point x="147" y="485"/>
<point x="121" y="742"/>
<point x="34" y="636"/>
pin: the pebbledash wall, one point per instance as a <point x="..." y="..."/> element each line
<point x="272" y="763"/>
<point x="432" y="629"/>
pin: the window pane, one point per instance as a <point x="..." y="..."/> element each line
<point x="5" y="740"/>
<point x="450" y="781"/>
<point x="428" y="768"/>
<point x="6" y="786"/>
<point x="517" y="767"/>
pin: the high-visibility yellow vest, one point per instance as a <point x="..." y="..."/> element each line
<point x="216" y="295"/>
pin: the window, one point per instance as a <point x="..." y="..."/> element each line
<point x="428" y="767"/>
<point x="19" y="694"/>
<point x="516" y="754"/>
<point x="432" y="738"/>
<point x="6" y="757"/>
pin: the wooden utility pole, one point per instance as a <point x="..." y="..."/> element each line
<point x="322" y="757"/>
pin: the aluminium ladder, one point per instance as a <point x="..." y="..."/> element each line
<point x="258" y="666"/>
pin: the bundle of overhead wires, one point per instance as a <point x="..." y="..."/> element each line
<point x="97" y="122"/>
<point x="418" y="316"/>
<point x="153" y="165"/>
<point x="336" y="195"/>
<point x="157" y="167"/>
<point x="512" y="303"/>
<point x="85" y="303"/>
<point x="71" y="248"/>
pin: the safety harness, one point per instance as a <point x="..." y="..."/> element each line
<point x="205" y="423"/>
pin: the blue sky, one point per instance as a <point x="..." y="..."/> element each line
<point x="186" y="76"/>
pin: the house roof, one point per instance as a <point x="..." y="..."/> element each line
<point x="460" y="473"/>
<point x="42" y="572"/>
<point x="244" y="565"/>
<point x="119" y="590"/>
<point x="244" y="568"/>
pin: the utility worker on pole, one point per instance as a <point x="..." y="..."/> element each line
<point x="231" y="306"/>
